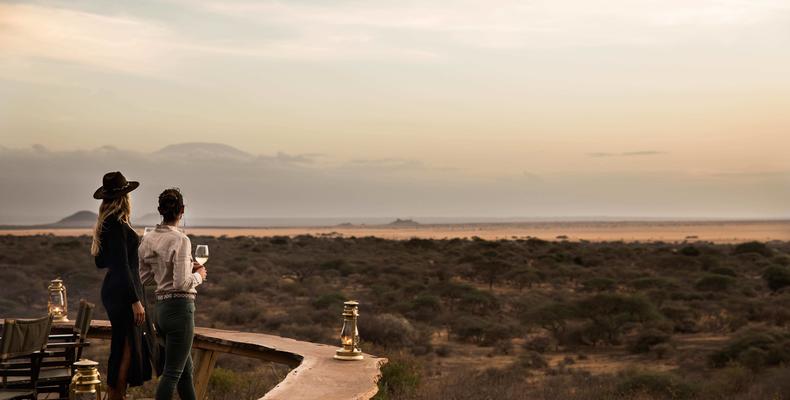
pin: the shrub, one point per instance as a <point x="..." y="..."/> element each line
<point x="67" y="244"/>
<point x="532" y="360"/>
<point x="753" y="247"/>
<point x="223" y="380"/>
<point x="753" y="358"/>
<point x="400" y="377"/>
<point x="387" y="330"/>
<point x="651" y="283"/>
<point x="655" y="384"/>
<point x="465" y="296"/>
<point x="498" y="332"/>
<point x="587" y="261"/>
<point x="690" y="251"/>
<point x="468" y="328"/>
<point x="419" y="243"/>
<point x="709" y="261"/>
<point x="646" y="339"/>
<point x="777" y="277"/>
<point x="336" y="264"/>
<point x="599" y="284"/>
<point x="682" y="317"/>
<point x="715" y="283"/>
<point x="538" y="343"/>
<point x="280" y="240"/>
<point x="424" y="307"/>
<point x="774" y="344"/>
<point x="535" y="242"/>
<point x="327" y="300"/>
<point x="230" y="384"/>
<point x="675" y="262"/>
<point x="502" y="347"/>
<point x="724" y="271"/>
<point x="728" y="381"/>
<point x="492" y="383"/>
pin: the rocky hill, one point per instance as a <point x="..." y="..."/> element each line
<point x="79" y="219"/>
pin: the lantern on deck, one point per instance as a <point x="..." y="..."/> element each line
<point x="86" y="380"/>
<point x="349" y="335"/>
<point x="57" y="303"/>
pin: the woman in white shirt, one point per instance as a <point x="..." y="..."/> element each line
<point x="166" y="259"/>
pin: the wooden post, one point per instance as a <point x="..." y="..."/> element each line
<point x="204" y="361"/>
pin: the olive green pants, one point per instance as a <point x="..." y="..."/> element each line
<point x="176" y="325"/>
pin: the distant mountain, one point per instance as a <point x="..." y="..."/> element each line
<point x="149" y="219"/>
<point x="79" y="219"/>
<point x="204" y="151"/>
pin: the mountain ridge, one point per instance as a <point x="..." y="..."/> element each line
<point x="203" y="150"/>
<point x="87" y="219"/>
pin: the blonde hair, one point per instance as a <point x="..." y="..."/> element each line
<point x="119" y="207"/>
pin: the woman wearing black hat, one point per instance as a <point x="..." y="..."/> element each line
<point x="115" y="248"/>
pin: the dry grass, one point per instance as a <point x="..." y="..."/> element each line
<point x="712" y="231"/>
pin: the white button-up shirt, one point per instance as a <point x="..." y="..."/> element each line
<point x="166" y="258"/>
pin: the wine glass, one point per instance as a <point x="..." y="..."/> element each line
<point x="201" y="254"/>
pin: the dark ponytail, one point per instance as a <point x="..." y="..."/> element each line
<point x="171" y="204"/>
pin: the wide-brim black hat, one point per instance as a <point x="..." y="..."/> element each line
<point x="114" y="185"/>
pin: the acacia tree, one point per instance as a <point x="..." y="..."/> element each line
<point x="552" y="317"/>
<point x="609" y="313"/>
<point x="524" y="276"/>
<point x="490" y="270"/>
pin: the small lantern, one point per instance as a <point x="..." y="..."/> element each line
<point x="349" y="335"/>
<point x="86" y="380"/>
<point x="57" y="304"/>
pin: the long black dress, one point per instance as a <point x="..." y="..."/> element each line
<point x="121" y="288"/>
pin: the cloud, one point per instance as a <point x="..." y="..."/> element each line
<point x="755" y="175"/>
<point x="389" y="163"/>
<point x="405" y="31"/>
<point x="627" y="154"/>
<point x="223" y="180"/>
<point x="643" y="153"/>
<point x="38" y="183"/>
<point x="31" y="34"/>
<point x="601" y="155"/>
<point x="309" y="158"/>
<point x="118" y="43"/>
<point x="509" y="24"/>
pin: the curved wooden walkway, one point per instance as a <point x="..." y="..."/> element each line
<point x="314" y="374"/>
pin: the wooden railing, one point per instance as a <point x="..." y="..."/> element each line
<point x="315" y="374"/>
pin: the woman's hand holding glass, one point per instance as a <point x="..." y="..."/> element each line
<point x="200" y="269"/>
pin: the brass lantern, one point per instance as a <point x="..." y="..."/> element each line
<point x="349" y="335"/>
<point x="86" y="380"/>
<point x="58" y="303"/>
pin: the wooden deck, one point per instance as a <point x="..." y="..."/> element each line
<point x="314" y="374"/>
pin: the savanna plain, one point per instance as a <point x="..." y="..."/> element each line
<point x="476" y="318"/>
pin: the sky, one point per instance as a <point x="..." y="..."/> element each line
<point x="496" y="108"/>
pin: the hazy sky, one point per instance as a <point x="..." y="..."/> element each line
<point x="493" y="108"/>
